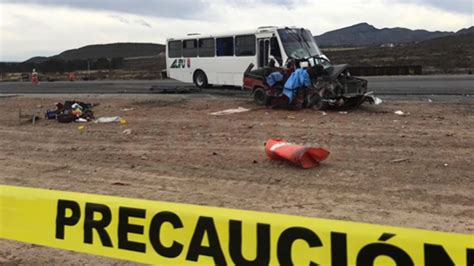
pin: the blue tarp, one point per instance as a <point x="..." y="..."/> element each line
<point x="298" y="79"/>
<point x="274" y="78"/>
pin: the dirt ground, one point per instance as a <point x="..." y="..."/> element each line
<point x="410" y="171"/>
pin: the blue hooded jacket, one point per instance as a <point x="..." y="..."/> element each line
<point x="274" y="78"/>
<point x="299" y="78"/>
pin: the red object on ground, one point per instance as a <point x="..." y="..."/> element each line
<point x="306" y="157"/>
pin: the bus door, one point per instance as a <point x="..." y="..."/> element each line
<point x="275" y="51"/>
<point x="263" y="51"/>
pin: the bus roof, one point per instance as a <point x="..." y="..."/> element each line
<point x="230" y="33"/>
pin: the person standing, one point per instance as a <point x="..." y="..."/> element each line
<point x="34" y="77"/>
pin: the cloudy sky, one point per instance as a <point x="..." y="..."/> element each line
<point x="47" y="27"/>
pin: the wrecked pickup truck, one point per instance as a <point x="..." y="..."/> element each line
<point x="311" y="82"/>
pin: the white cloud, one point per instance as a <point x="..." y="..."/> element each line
<point x="29" y="30"/>
<point x="152" y="8"/>
<point x="459" y="6"/>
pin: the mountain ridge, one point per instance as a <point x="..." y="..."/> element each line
<point x="364" y="34"/>
<point x="109" y="50"/>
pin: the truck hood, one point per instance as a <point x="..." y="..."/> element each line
<point x="335" y="70"/>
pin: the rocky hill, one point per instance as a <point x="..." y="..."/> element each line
<point x="466" y="31"/>
<point x="449" y="55"/>
<point x="113" y="50"/>
<point x="364" y="34"/>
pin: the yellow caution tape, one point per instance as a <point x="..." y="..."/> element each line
<point x="167" y="233"/>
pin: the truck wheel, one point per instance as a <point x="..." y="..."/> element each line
<point x="261" y="97"/>
<point x="360" y="102"/>
<point x="200" y="79"/>
<point x="318" y="103"/>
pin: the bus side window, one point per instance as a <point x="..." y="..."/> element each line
<point x="207" y="47"/>
<point x="275" y="50"/>
<point x="225" y="46"/>
<point x="174" y="49"/>
<point x="245" y="45"/>
<point x="190" y="48"/>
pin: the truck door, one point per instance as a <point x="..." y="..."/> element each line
<point x="263" y="51"/>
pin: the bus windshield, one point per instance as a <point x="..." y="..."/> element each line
<point x="298" y="43"/>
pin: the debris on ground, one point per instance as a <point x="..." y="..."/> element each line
<point x="120" y="184"/>
<point x="127" y="109"/>
<point x="373" y="99"/>
<point x="111" y="119"/>
<point x="377" y="101"/>
<point x="127" y="131"/>
<point x="51" y="114"/>
<point x="399" y="112"/>
<point x="305" y="157"/>
<point x="400" y="160"/>
<point x="71" y="111"/>
<point x="231" y="111"/>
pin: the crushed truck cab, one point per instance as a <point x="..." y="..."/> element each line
<point x="329" y="86"/>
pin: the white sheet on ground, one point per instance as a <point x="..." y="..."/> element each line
<point x="231" y="111"/>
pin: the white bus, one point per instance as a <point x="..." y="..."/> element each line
<point x="221" y="59"/>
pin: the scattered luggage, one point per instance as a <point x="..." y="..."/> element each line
<point x="71" y="111"/>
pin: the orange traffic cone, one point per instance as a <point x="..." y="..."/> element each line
<point x="306" y="157"/>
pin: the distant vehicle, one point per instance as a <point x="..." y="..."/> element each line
<point x="221" y="59"/>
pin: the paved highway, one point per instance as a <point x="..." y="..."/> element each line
<point x="393" y="85"/>
<point x="423" y="85"/>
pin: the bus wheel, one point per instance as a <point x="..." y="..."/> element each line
<point x="200" y="79"/>
<point x="261" y="97"/>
